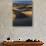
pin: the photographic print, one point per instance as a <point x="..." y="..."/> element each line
<point x="22" y="12"/>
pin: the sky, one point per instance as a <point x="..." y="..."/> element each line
<point x="22" y="1"/>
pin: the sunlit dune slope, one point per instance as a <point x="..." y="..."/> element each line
<point x="28" y="13"/>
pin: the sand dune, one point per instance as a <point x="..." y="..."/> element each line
<point x="28" y="13"/>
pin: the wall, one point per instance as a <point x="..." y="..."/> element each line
<point x="37" y="31"/>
